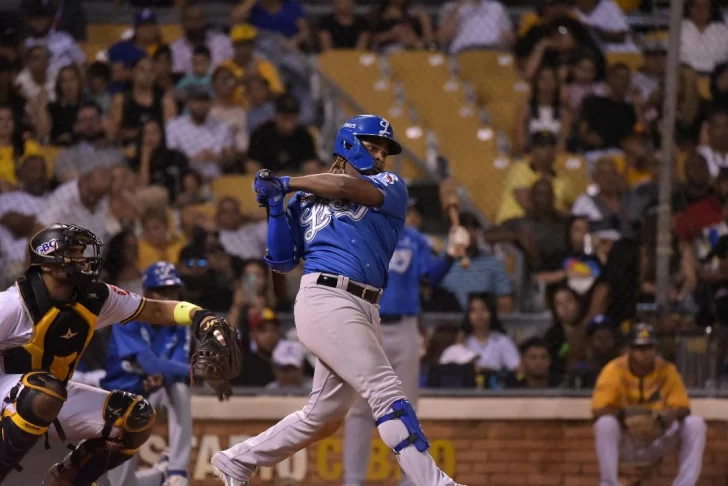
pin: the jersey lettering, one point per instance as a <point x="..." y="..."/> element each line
<point x="118" y="290"/>
<point x="401" y="260"/>
<point x="317" y="217"/>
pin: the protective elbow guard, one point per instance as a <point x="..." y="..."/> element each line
<point x="402" y="410"/>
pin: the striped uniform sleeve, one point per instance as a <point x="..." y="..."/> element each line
<point x="120" y="307"/>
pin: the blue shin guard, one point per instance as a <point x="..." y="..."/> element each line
<point x="402" y="410"/>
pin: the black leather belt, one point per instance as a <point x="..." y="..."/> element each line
<point x="371" y="296"/>
<point x="391" y="318"/>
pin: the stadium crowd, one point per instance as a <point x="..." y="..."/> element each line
<point x="131" y="142"/>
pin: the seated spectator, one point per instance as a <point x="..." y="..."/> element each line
<point x="194" y="190"/>
<point x="546" y="12"/>
<point x="164" y="77"/>
<point x="206" y="141"/>
<point x="13" y="147"/>
<point x="56" y="119"/>
<point x="120" y="264"/>
<point x="399" y="26"/>
<point x="34" y="81"/>
<point x="126" y="54"/>
<point x="343" y="29"/>
<point x="288" y="363"/>
<point x="602" y="203"/>
<point x="253" y="293"/>
<point x="648" y="77"/>
<point x="486" y="274"/>
<point x="638" y="163"/>
<point x="42" y="30"/>
<point x="260" y="107"/>
<point x="239" y="235"/>
<point x="69" y="16"/>
<point x="619" y="393"/>
<point x="200" y="73"/>
<point x="83" y="201"/>
<point x="582" y="81"/>
<point x="98" y="79"/>
<point x="475" y="24"/>
<point x="565" y="338"/>
<point x="703" y="36"/>
<point x="156" y="164"/>
<point x="535" y="367"/>
<point x="18" y="212"/>
<point x="142" y="101"/>
<point x="264" y="337"/>
<point x="455" y="369"/>
<point x="545" y="111"/>
<point x="127" y="200"/>
<point x="91" y="148"/>
<point x="716" y="150"/>
<point x="443" y="336"/>
<point x="608" y="22"/>
<point x="228" y="111"/>
<point x="497" y="353"/>
<point x="285" y="17"/>
<point x="521" y="176"/>
<point x="540" y="233"/>
<point x="245" y="63"/>
<point x="198" y="33"/>
<point x="602" y="348"/>
<point x="606" y="120"/>
<point x="282" y="143"/>
<point x="155" y="243"/>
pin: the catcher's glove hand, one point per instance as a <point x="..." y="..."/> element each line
<point x="643" y="425"/>
<point x="219" y="355"/>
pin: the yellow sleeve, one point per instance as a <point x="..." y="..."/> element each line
<point x="270" y="73"/>
<point x="519" y="175"/>
<point x="32" y="148"/>
<point x="606" y="391"/>
<point x="676" y="396"/>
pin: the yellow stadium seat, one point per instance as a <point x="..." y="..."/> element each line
<point x="237" y="186"/>
<point x="206" y="209"/>
<point x="50" y="152"/>
<point x="704" y="87"/>
<point x="171" y="32"/>
<point x="106" y="34"/>
<point x="631" y="59"/>
<point x="574" y="168"/>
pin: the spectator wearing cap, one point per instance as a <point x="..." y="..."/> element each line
<point x="13" y="147"/>
<point x="285" y="17"/>
<point x="343" y="29"/>
<point x="239" y="235"/>
<point x="197" y="33"/>
<point x="18" y="212"/>
<point x="535" y="371"/>
<point x="282" y="143"/>
<point x="715" y="150"/>
<point x="621" y="388"/>
<point x="227" y="110"/>
<point x="90" y="147"/>
<point x="515" y="200"/>
<point x="288" y="362"/>
<point x="258" y="357"/>
<point x="126" y="54"/>
<point x="602" y="347"/>
<point x="63" y="49"/>
<point x="34" y="80"/>
<point x="475" y="24"/>
<point x="606" y="120"/>
<point x="206" y="141"/>
<point x="703" y="36"/>
<point x="245" y="63"/>
<point x="608" y="22"/>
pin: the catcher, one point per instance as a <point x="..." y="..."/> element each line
<point x="46" y="321"/>
<point x="642" y="413"/>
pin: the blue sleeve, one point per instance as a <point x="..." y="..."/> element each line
<point x="154" y="365"/>
<point x="181" y="352"/>
<point x="297" y="10"/>
<point x="428" y="267"/>
<point x="501" y="280"/>
<point x="128" y="339"/>
<point x="283" y="252"/>
<point x="395" y="194"/>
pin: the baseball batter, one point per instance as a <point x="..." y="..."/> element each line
<point x="46" y="321"/>
<point x="399" y="310"/>
<point x="139" y="352"/>
<point x="345" y="225"/>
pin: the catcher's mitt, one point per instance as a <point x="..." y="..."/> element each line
<point x="219" y="355"/>
<point x="642" y="424"/>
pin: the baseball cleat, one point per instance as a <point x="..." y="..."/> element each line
<point x="227" y="480"/>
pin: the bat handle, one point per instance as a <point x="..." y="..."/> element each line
<point x="452" y="211"/>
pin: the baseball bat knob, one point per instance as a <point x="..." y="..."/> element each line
<point x="265" y="174"/>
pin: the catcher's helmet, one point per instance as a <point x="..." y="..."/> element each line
<point x="348" y="140"/>
<point x="161" y="275"/>
<point x="72" y="247"/>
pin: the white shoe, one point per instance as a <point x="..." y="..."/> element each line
<point x="176" y="480"/>
<point x="227" y="480"/>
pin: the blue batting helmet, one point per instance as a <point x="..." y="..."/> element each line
<point x="348" y="144"/>
<point x="160" y="274"/>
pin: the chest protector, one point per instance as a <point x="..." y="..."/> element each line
<point x="61" y="330"/>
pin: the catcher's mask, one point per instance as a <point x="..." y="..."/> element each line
<point x="74" y="249"/>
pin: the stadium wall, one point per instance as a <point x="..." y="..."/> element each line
<point x="480" y="441"/>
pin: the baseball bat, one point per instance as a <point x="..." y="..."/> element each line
<point x="266" y="175"/>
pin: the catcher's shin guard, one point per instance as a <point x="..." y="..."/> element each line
<point x="37" y="400"/>
<point x="93" y="457"/>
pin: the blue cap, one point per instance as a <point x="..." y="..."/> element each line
<point x="160" y="275"/>
<point x="146" y="16"/>
<point x="348" y="143"/>
<point x="598" y="322"/>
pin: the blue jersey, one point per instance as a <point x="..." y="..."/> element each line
<point x="138" y="349"/>
<point x="349" y="239"/>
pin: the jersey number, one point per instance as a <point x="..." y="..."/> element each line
<point x="317" y="217"/>
<point x="401" y="260"/>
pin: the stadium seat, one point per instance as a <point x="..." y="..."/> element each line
<point x="573" y="167"/>
<point x="206" y="209"/>
<point x="631" y="59"/>
<point x="106" y="34"/>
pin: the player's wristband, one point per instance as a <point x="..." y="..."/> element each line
<point x="276" y="208"/>
<point x="200" y="316"/>
<point x="285" y="182"/>
<point x="183" y="313"/>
